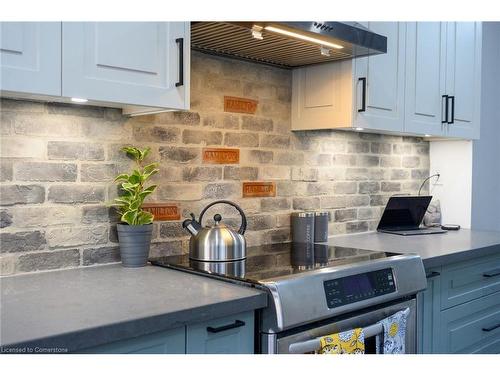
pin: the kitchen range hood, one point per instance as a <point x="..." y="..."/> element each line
<point x="286" y="44"/>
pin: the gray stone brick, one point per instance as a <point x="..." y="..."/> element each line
<point x="257" y="156"/>
<point x="102" y="255"/>
<point x="6" y="170"/>
<point x="5" y="219"/>
<point x="202" y="137"/>
<point x="23" y="106"/>
<point x="369" y="136"/>
<point x="202" y="173"/>
<point x="241" y="139"/>
<point x="8" y="264"/>
<point x="345" y="214"/>
<point x="240" y="173"/>
<point x="275" y="141"/>
<point x="274" y="204"/>
<point x="412" y="139"/>
<point x="379" y="200"/>
<point x="401" y="149"/>
<point x="400" y="174"/>
<point x="77" y="236"/>
<point x="221" y="191"/>
<point x="304" y="174"/>
<point x="358" y="147"/>
<point x="365" y="213"/>
<point x="368" y="161"/>
<point x="21" y="194"/>
<point x="345" y="187"/>
<point x="418" y="174"/>
<point x="312" y="203"/>
<point x="390" y="161"/>
<point x="224" y="121"/>
<point x="75" y="110"/>
<point x="48" y="260"/>
<point x="390" y="186"/>
<point x="99" y="172"/>
<point x="368" y="187"/>
<point x="333" y="202"/>
<point x="261" y="222"/>
<point x="356" y="174"/>
<point x="344" y="160"/>
<point x="172" y="229"/>
<point x="160" y="249"/>
<point x="337" y="147"/>
<point x="257" y="124"/>
<point x="380" y="148"/>
<point x="62" y="150"/>
<point x="411" y="161"/>
<point x="356" y="227"/>
<point x="289" y="158"/>
<point x="357" y="200"/>
<point x="277" y="236"/>
<point x="173" y="118"/>
<point x="157" y="133"/>
<point x="274" y="173"/>
<point x="180" y="192"/>
<point x="22" y="241"/>
<point x="421" y="149"/>
<point x="41" y="215"/>
<point x="304" y="143"/>
<point x="319" y="188"/>
<point x="76" y="194"/>
<point x="180" y="154"/>
<point x="12" y="147"/>
<point x="35" y="171"/>
<point x="99" y="214"/>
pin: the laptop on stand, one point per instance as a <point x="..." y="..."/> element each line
<point x="403" y="216"/>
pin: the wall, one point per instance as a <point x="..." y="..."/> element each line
<point x="58" y="163"/>
<point x="486" y="151"/>
<point x="453" y="160"/>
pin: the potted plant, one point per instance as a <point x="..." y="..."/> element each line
<point x="135" y="229"/>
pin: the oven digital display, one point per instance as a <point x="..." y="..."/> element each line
<point x="359" y="287"/>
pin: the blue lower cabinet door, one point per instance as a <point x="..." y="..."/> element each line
<point x="229" y="335"/>
<point x="472" y="327"/>
<point x="166" y="342"/>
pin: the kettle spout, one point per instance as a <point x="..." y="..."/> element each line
<point x="191" y="225"/>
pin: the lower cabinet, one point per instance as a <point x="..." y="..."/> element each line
<point x="459" y="312"/>
<point x="229" y="335"/>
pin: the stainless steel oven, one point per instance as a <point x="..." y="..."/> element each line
<point x="307" y="340"/>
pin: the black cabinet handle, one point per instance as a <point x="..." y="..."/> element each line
<point x="363" y="94"/>
<point x="492" y="328"/>
<point x="452" y="109"/>
<point x="236" y="324"/>
<point x="180" y="43"/>
<point x="432" y="274"/>
<point x="446" y="108"/>
<point x="492" y="273"/>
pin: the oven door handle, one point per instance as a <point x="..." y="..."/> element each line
<point x="315" y="344"/>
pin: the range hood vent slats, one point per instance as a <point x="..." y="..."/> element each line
<point x="233" y="39"/>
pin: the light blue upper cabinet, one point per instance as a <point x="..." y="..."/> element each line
<point x="385" y="75"/>
<point x="425" y="77"/>
<point x="132" y="63"/>
<point x="463" y="78"/>
<point x="30" y="58"/>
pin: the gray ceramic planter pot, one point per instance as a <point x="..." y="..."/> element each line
<point x="135" y="241"/>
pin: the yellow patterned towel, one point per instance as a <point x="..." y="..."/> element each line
<point x="348" y="342"/>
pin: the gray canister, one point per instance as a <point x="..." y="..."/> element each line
<point x="303" y="227"/>
<point x="321" y="226"/>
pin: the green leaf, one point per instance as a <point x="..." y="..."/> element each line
<point x="122" y="177"/>
<point x="144" y="217"/>
<point x="129" y="217"/>
<point x="129" y="187"/>
<point x="132" y="152"/>
<point x="150" y="168"/>
<point x="135" y="177"/>
<point x="144" y="153"/>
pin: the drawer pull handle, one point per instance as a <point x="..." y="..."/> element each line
<point x="492" y="273"/>
<point x="180" y="43"/>
<point x="432" y="274"/>
<point x="236" y="324"/>
<point x="492" y="328"/>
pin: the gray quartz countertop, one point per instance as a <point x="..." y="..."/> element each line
<point x="84" y="307"/>
<point x="435" y="249"/>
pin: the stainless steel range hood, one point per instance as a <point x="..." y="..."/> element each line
<point x="286" y="44"/>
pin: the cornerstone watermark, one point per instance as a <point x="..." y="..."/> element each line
<point x="32" y="350"/>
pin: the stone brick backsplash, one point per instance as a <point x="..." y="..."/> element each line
<point x="58" y="162"/>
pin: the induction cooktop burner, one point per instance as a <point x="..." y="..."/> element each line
<point x="272" y="261"/>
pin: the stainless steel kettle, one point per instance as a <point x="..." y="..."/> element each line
<point x="218" y="243"/>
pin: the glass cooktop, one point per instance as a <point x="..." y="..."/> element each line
<point x="271" y="261"/>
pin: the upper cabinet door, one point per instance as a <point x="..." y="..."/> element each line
<point x="463" y="78"/>
<point x="384" y="75"/>
<point x="425" y="77"/>
<point x="30" y="57"/>
<point x="134" y="63"/>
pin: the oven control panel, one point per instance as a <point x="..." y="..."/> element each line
<point x="355" y="288"/>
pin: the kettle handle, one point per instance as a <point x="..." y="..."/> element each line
<point x="243" y="226"/>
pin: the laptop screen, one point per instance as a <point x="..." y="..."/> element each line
<point x="404" y="212"/>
